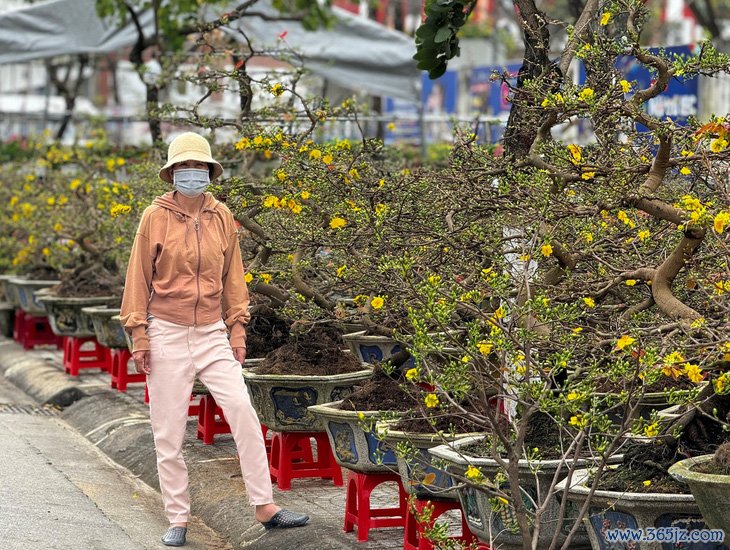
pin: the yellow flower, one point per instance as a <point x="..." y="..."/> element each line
<point x="281" y="175"/>
<point x="652" y="430"/>
<point x="305" y="195"/>
<point x="473" y="473"/>
<point x="46" y="251"/>
<point x="242" y="143"/>
<point x="354" y="174"/>
<point x="337" y="223"/>
<point x="586" y="94"/>
<point x="294" y="206"/>
<point x="51" y="201"/>
<point x="545" y="103"/>
<point x="624" y="342"/>
<point x="412" y="374"/>
<point x="630" y="282"/>
<point x="644" y="235"/>
<point x="434" y="280"/>
<point x="697" y="323"/>
<point x="327" y="159"/>
<point x="717" y="145"/>
<point x="525" y="257"/>
<point x="572" y="396"/>
<point x="57" y="227"/>
<point x="579" y="421"/>
<point x="248" y="277"/>
<point x="391" y="126"/>
<point x="500" y="312"/>
<point x="485" y="348"/>
<point x="694" y="373"/>
<point x="381" y="183"/>
<point x="119" y="209"/>
<point x="380" y="209"/>
<point x="265" y="277"/>
<point x="431" y="400"/>
<point x="625" y="86"/>
<point x="341" y="270"/>
<point x="577" y="330"/>
<point x="588" y="236"/>
<point x="589" y="302"/>
<point x="685" y="171"/>
<point x="258" y="140"/>
<point x="377" y="302"/>
<point x="588" y="175"/>
<point x="605" y="18"/>
<point x="720" y="221"/>
<point x="271" y="200"/>
<point x="575" y="152"/>
<point x="315" y="154"/>
<point x="276" y="90"/>
<point x="546" y="250"/>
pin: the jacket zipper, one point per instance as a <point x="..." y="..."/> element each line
<point x="196" y="225"/>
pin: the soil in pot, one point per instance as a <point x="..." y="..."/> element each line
<point x="89" y="280"/>
<point x="650" y="462"/>
<point x="719" y="465"/>
<point x="41" y="273"/>
<point x="382" y="392"/>
<point x="265" y="332"/>
<point x="316" y="352"/>
<point x="542" y="432"/>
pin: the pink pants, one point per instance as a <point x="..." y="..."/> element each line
<point x="177" y="355"/>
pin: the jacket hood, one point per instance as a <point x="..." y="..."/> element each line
<point x="167" y="201"/>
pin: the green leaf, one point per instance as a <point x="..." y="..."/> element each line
<point x="443" y="34"/>
<point x="438" y="71"/>
<point x="425" y="32"/>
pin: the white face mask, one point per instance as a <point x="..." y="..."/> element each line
<point x="191" y="182"/>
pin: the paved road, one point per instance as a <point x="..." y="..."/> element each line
<point x="58" y="492"/>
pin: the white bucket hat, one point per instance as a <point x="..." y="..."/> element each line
<point x="189" y="146"/>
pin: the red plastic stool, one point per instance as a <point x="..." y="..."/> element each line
<point x="120" y="373"/>
<point x="208" y="424"/>
<point x="357" y="504"/>
<point x="75" y="359"/>
<point x="30" y="331"/>
<point x="292" y="457"/>
<point x="413" y="537"/>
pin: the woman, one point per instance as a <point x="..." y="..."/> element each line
<point x="184" y="287"/>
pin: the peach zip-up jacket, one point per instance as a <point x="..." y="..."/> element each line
<point x="185" y="270"/>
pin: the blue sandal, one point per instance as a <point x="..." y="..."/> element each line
<point x="175" y="536"/>
<point x="284" y="519"/>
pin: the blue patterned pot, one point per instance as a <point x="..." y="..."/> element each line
<point x="621" y="510"/>
<point x="26" y="289"/>
<point x="372" y="349"/>
<point x="353" y="441"/>
<point x="499" y="523"/>
<point x="282" y="401"/>
<point x="65" y="314"/>
<point x="109" y="331"/>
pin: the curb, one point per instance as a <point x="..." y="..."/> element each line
<point x="119" y="426"/>
<point x="38" y="377"/>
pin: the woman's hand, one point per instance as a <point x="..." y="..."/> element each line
<point x="142" y="361"/>
<point x="240" y="355"/>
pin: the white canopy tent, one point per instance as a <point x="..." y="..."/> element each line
<point x="356" y="53"/>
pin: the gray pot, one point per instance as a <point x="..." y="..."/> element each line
<point x="371" y="349"/>
<point x="418" y="474"/>
<point x="710" y="491"/>
<point x="497" y="526"/>
<point x="621" y="510"/>
<point x="105" y="320"/>
<point x="3" y="283"/>
<point x="282" y="401"/>
<point x="65" y="314"/>
<point x="10" y="287"/>
<point x="26" y="289"/>
<point x="353" y="441"/>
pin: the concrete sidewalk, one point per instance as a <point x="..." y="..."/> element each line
<point x="118" y="424"/>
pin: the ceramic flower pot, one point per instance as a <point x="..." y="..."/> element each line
<point x="10" y="289"/>
<point x="105" y="320"/>
<point x="710" y="491"/>
<point x="371" y="349"/>
<point x="610" y="510"/>
<point x="496" y="524"/>
<point x="4" y="278"/>
<point x="419" y="475"/>
<point x="282" y="401"/>
<point x="353" y="441"/>
<point x="65" y="314"/>
<point x="25" y="290"/>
